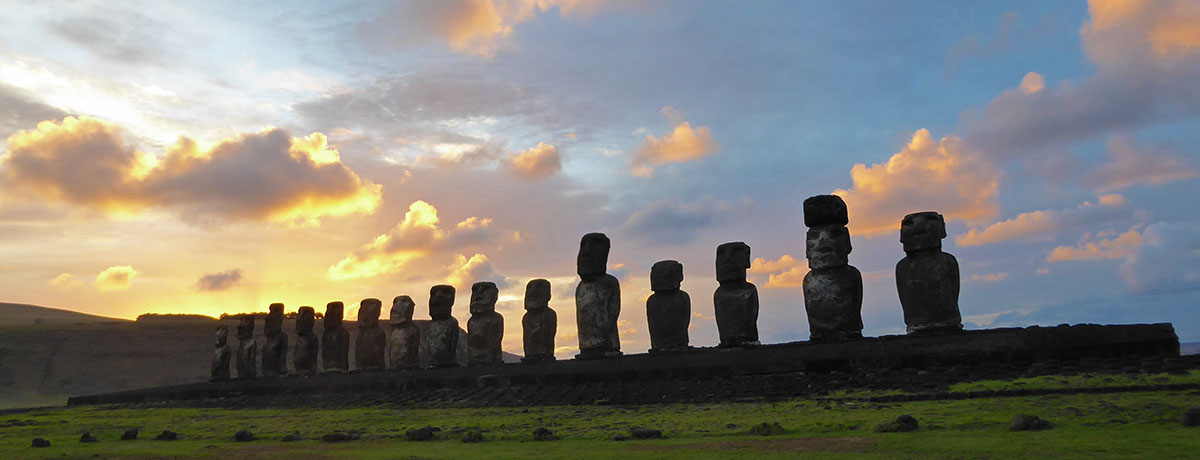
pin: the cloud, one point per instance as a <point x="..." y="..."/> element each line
<point x="19" y="109"/>
<point x="1131" y="164"/>
<point x="1168" y="260"/>
<point x="66" y="282"/>
<point x="265" y="176"/>
<point x="219" y="281"/>
<point x="116" y="278"/>
<point x="1108" y="208"/>
<point x="536" y="162"/>
<point x="1032" y="83"/>
<point x="670" y="221"/>
<point x="926" y="175"/>
<point x="990" y="277"/>
<point x="464" y="272"/>
<point x="784" y="273"/>
<point x="417" y="236"/>
<point x="1104" y="245"/>
<point x="682" y="144"/>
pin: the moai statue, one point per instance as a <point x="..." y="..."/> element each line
<point x="220" y="361"/>
<point x="335" y="340"/>
<point x="371" y="342"/>
<point x="927" y="278"/>
<point x="597" y="300"/>
<point x="736" y="300"/>
<point x="404" y="343"/>
<point x="307" y="343"/>
<point x="833" y="289"/>
<point x="247" y="355"/>
<point x="441" y="344"/>
<point x="539" y="324"/>
<point x="669" y="309"/>
<point x="274" y="360"/>
<point x="485" y="329"/>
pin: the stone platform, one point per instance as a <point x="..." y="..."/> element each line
<point x="976" y="349"/>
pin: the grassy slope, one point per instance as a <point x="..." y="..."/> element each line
<point x="15" y="314"/>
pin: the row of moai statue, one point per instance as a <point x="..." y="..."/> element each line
<point x="927" y="281"/>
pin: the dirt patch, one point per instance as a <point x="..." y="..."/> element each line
<point x="848" y="444"/>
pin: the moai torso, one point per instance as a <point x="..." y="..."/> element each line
<point x="668" y="309"/>
<point x="371" y="342"/>
<point x="308" y="345"/>
<point x="274" y="360"/>
<point x="485" y="329"/>
<point x="539" y="324"/>
<point x="833" y="289"/>
<point x="247" y="356"/>
<point x="404" y="342"/>
<point x="441" y="343"/>
<point x="335" y="340"/>
<point x="597" y="300"/>
<point x="735" y="303"/>
<point x="221" y="352"/>
<point x="927" y="279"/>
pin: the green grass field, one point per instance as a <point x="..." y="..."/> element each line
<point x="1135" y="425"/>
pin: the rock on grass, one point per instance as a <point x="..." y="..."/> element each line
<point x="39" y="442"/>
<point x="421" y="434"/>
<point x="129" y="435"/>
<point x="645" y="433"/>
<point x="472" y="436"/>
<point x="1024" y="422"/>
<point x="901" y="424"/>
<point x="243" y="436"/>
<point x="87" y="437"/>
<point x="767" y="429"/>
<point x="167" y="435"/>
<point x="542" y="433"/>
<point x="1191" y="416"/>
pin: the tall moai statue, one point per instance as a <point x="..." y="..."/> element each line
<point x="221" y="353"/>
<point x="597" y="300"/>
<point x="371" y="342"/>
<point x="485" y="329"/>
<point x="539" y="324"/>
<point x="247" y="355"/>
<point x="735" y="302"/>
<point x="404" y="342"/>
<point x="441" y="343"/>
<point x="274" y="360"/>
<point x="304" y="359"/>
<point x="335" y="340"/>
<point x="927" y="278"/>
<point x="833" y="289"/>
<point x="668" y="309"/>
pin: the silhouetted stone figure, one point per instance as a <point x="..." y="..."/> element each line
<point x="597" y="300"/>
<point x="833" y="289"/>
<point x="274" y="360"/>
<point x="735" y="302"/>
<point x="247" y="355"/>
<point x="371" y="342"/>
<point x="669" y="309"/>
<point x="442" y="341"/>
<point x="927" y="278"/>
<point x="335" y="340"/>
<point x="221" y="352"/>
<point x="404" y="342"/>
<point x="485" y="329"/>
<point x="308" y="345"/>
<point x="539" y="324"/>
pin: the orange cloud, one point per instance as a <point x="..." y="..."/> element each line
<point x="941" y="176"/>
<point x="1044" y="223"/>
<point x="1131" y="164"/>
<point x="467" y="271"/>
<point x="1032" y="83"/>
<point x="1163" y="26"/>
<point x="783" y="273"/>
<point x="264" y="176"/>
<point x="116" y="278"/>
<point x="1104" y="245"/>
<point x="66" y="281"/>
<point x="684" y="143"/>
<point x="990" y="277"/>
<point x="536" y="162"/>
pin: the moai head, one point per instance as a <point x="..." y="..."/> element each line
<point x="666" y="275"/>
<point x="537" y="294"/>
<point x="402" y="309"/>
<point x="274" y="322"/>
<point x="441" y="300"/>
<point x="483" y="297"/>
<point x="305" y="318"/>
<point x="922" y="230"/>
<point x="827" y="246"/>
<point x="825" y="210"/>
<point x="245" y="327"/>
<point x="333" y="315"/>
<point x="732" y="261"/>
<point x="222" y="336"/>
<point x="593" y="256"/>
<point x="368" y="313"/>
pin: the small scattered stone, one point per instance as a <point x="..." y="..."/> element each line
<point x="645" y="433"/>
<point x="421" y="434"/>
<point x="129" y="435"/>
<point x="902" y="424"/>
<point x="292" y="437"/>
<point x="542" y="433"/>
<point x="87" y="437"/>
<point x="767" y="429"/>
<point x="167" y="435"/>
<point x="1191" y="416"/>
<point x="39" y="442"/>
<point x="619" y="437"/>
<point x="731" y="426"/>
<point x="472" y="436"/>
<point x="243" y="436"/>
<point x="335" y="437"/>
<point x="1028" y="423"/>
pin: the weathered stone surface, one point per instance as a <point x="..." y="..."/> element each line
<point x="735" y="302"/>
<point x="371" y="342"/>
<point x="274" y="360"/>
<point x="243" y="436"/>
<point x="485" y="329"/>
<point x="927" y="279"/>
<point x="1191" y="416"/>
<point x="247" y="355"/>
<point x="902" y="424"/>
<point x="825" y="210"/>
<point x="542" y="433"/>
<point x="129" y="435"/>
<point x="645" y="433"/>
<point x="87" y="437"/>
<point x="833" y="289"/>
<point x="404" y="342"/>
<point x="335" y="340"/>
<point x="39" y="442"/>
<point x="441" y="342"/>
<point x="472" y="436"/>
<point x="1024" y="422"/>
<point x="540" y="323"/>
<point x="308" y="345"/>
<point x="167" y="435"/>
<point x="221" y="354"/>
<point x="597" y="300"/>
<point x="421" y="434"/>
<point x="668" y="309"/>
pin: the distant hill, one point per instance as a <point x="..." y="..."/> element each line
<point x="14" y="314"/>
<point x="1189" y="348"/>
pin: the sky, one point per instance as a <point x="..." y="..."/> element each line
<point x="209" y="157"/>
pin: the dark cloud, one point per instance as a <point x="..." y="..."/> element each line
<point x="219" y="281"/>
<point x="673" y="222"/>
<point x="20" y="110"/>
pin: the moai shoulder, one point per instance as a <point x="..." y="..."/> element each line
<point x="335" y="340"/>
<point x="274" y="359"/>
<point x="221" y="353"/>
<point x="247" y="355"/>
